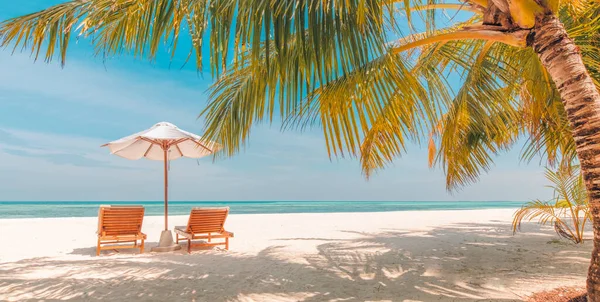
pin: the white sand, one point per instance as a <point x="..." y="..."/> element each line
<point x="393" y="256"/>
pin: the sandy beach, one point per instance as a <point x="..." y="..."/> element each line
<point x="468" y="255"/>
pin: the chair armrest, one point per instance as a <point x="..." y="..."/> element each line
<point x="230" y="234"/>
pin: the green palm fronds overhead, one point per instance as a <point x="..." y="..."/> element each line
<point x="373" y="75"/>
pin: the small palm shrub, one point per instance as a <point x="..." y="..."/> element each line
<point x="568" y="210"/>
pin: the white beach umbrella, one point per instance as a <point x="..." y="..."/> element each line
<point x="163" y="141"/>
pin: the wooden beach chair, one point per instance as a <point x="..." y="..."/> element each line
<point x="120" y="224"/>
<point x="205" y="223"/>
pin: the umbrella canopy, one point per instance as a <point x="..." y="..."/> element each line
<point x="163" y="137"/>
<point x="163" y="141"/>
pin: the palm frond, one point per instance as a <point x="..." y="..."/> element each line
<point x="540" y="115"/>
<point x="237" y="28"/>
<point x="471" y="131"/>
<point x="544" y="212"/>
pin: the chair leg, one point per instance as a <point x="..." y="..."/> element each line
<point x="98" y="248"/>
<point x="176" y="238"/>
<point x="142" y="247"/>
<point x="208" y="237"/>
<point x="189" y="246"/>
<point x="227" y="243"/>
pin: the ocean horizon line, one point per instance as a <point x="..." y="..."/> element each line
<point x="240" y="201"/>
<point x="51" y="209"/>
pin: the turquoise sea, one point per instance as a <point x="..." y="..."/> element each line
<point x="42" y="209"/>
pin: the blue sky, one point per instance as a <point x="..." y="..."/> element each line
<point x="53" y="121"/>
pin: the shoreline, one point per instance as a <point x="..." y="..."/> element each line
<point x="237" y="201"/>
<point x="448" y="255"/>
<point x="269" y="214"/>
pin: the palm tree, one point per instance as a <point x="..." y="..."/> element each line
<point x="526" y="67"/>
<point x="568" y="211"/>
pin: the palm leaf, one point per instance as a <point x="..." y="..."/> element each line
<point x="139" y="27"/>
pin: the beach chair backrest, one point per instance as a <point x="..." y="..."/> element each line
<point x="120" y="220"/>
<point x="207" y="220"/>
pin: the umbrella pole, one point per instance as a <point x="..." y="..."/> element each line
<point x="166" y="190"/>
<point x="166" y="244"/>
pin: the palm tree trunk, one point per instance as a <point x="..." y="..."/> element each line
<point x="581" y="99"/>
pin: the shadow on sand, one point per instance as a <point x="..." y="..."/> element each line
<point x="460" y="262"/>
